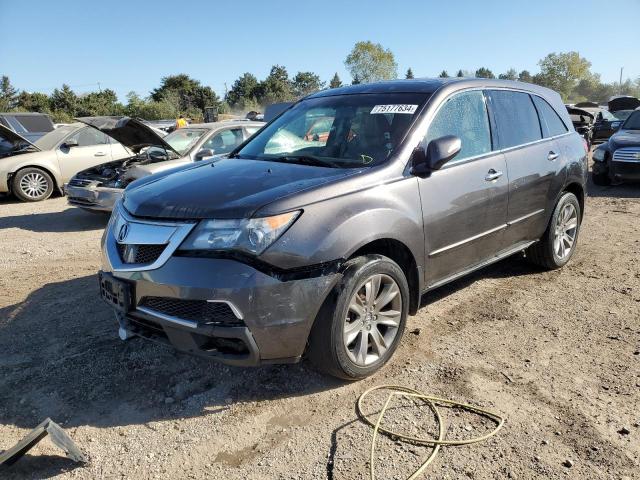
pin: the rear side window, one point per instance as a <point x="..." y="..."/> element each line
<point x="516" y="117"/>
<point x="465" y="116"/>
<point x="551" y="122"/>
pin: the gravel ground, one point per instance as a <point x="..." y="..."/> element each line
<point x="556" y="353"/>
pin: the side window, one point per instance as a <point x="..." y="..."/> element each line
<point x="252" y="130"/>
<point x="224" y="141"/>
<point x="88" y="137"/>
<point x="465" y="116"/>
<point x="516" y="117"/>
<point x="552" y="124"/>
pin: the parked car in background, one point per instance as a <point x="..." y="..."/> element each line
<point x="326" y="246"/>
<point x="31" y="126"/>
<point x="167" y="126"/>
<point x="607" y="123"/>
<point x="582" y="121"/>
<point x="618" y="159"/>
<point x="12" y="143"/>
<point x="99" y="187"/>
<point x="33" y="170"/>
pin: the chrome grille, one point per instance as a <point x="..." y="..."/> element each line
<point x="200" y="311"/>
<point x="132" y="253"/>
<point x="627" y="154"/>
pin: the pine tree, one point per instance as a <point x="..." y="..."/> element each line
<point x="335" y="81"/>
<point x="460" y="74"/>
<point x="409" y="74"/>
<point x="444" y="74"/>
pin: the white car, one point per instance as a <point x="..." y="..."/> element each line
<point x="32" y="171"/>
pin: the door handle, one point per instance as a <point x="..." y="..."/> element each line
<point x="493" y="175"/>
<point x="552" y="156"/>
<point x="99" y="154"/>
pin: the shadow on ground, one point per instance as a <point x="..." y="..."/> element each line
<point x="39" y="467"/>
<point x="61" y="358"/>
<point x="69" y="220"/>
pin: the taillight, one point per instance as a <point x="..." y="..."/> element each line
<point x="586" y="145"/>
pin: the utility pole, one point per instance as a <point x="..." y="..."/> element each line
<point x="620" y="84"/>
<point x="100" y="89"/>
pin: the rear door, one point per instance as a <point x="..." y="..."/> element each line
<point x="93" y="149"/>
<point x="532" y="164"/>
<point x="464" y="203"/>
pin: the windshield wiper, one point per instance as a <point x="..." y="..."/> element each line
<point x="305" y="160"/>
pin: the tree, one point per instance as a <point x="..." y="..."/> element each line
<point x="510" y="74"/>
<point x="335" y="81"/>
<point x="460" y="74"/>
<point x="276" y="87"/>
<point x="8" y="95"/>
<point x="444" y="74"/>
<point x="356" y="80"/>
<point x="34" y="102"/>
<point x="99" y="103"/>
<point x="562" y="71"/>
<point x="244" y="90"/>
<point x="186" y="93"/>
<point x="64" y="100"/>
<point x="371" y="62"/>
<point x="484" y="72"/>
<point x="409" y="74"/>
<point x="525" y="76"/>
<point x="305" y="83"/>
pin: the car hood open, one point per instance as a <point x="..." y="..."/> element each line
<point x="15" y="138"/>
<point x="131" y="133"/>
<point x="580" y="111"/>
<point x="623" y="103"/>
<point x="228" y="188"/>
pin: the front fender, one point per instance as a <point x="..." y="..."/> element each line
<point x="336" y="228"/>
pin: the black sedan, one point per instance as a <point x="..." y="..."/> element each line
<point x="618" y="159"/>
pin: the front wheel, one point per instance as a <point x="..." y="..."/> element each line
<point x="32" y="185"/>
<point x="558" y="243"/>
<point x="361" y="324"/>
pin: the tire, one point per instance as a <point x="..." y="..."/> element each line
<point x="601" y="179"/>
<point x="566" y="217"/>
<point x="32" y="185"/>
<point x="338" y="323"/>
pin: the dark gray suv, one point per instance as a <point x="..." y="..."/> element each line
<point x="319" y="235"/>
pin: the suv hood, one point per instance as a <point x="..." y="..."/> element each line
<point x="131" y="133"/>
<point x="228" y="188"/>
<point x="623" y="103"/>
<point x="16" y="139"/>
<point x="625" y="138"/>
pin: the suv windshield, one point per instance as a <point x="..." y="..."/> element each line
<point x="338" y="131"/>
<point x="633" y="122"/>
<point x="622" y="114"/>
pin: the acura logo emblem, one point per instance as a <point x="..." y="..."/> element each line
<point x="124" y="230"/>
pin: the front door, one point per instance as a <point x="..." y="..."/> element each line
<point x="93" y="149"/>
<point x="464" y="203"/>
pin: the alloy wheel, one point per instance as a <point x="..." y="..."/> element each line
<point x="373" y="319"/>
<point x="34" y="185"/>
<point x="565" y="231"/>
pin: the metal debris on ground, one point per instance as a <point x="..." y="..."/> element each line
<point x="432" y="403"/>
<point x="58" y="437"/>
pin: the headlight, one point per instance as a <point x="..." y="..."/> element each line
<point x="252" y="235"/>
<point x="598" y="155"/>
<point x="615" y="125"/>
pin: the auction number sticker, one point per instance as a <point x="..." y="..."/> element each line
<point x="410" y="109"/>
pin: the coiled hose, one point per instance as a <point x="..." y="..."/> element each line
<point x="432" y="402"/>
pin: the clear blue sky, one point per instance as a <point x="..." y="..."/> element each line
<point x="130" y="45"/>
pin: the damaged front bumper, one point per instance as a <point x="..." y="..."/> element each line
<point x="90" y="195"/>
<point x="221" y="308"/>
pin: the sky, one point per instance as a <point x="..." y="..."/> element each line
<point x="130" y="45"/>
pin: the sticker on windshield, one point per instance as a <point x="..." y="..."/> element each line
<point x="410" y="109"/>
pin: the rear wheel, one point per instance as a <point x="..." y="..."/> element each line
<point x="558" y="243"/>
<point x="361" y="324"/>
<point x="32" y="185"/>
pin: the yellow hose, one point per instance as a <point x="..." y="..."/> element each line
<point x="394" y="391"/>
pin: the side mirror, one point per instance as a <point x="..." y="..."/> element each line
<point x="439" y="152"/>
<point x="204" y="153"/>
<point x="72" y="142"/>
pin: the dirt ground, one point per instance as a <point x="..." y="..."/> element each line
<point x="556" y="353"/>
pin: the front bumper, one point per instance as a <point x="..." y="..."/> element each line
<point x="629" y="171"/>
<point x="273" y="317"/>
<point x="92" y="197"/>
